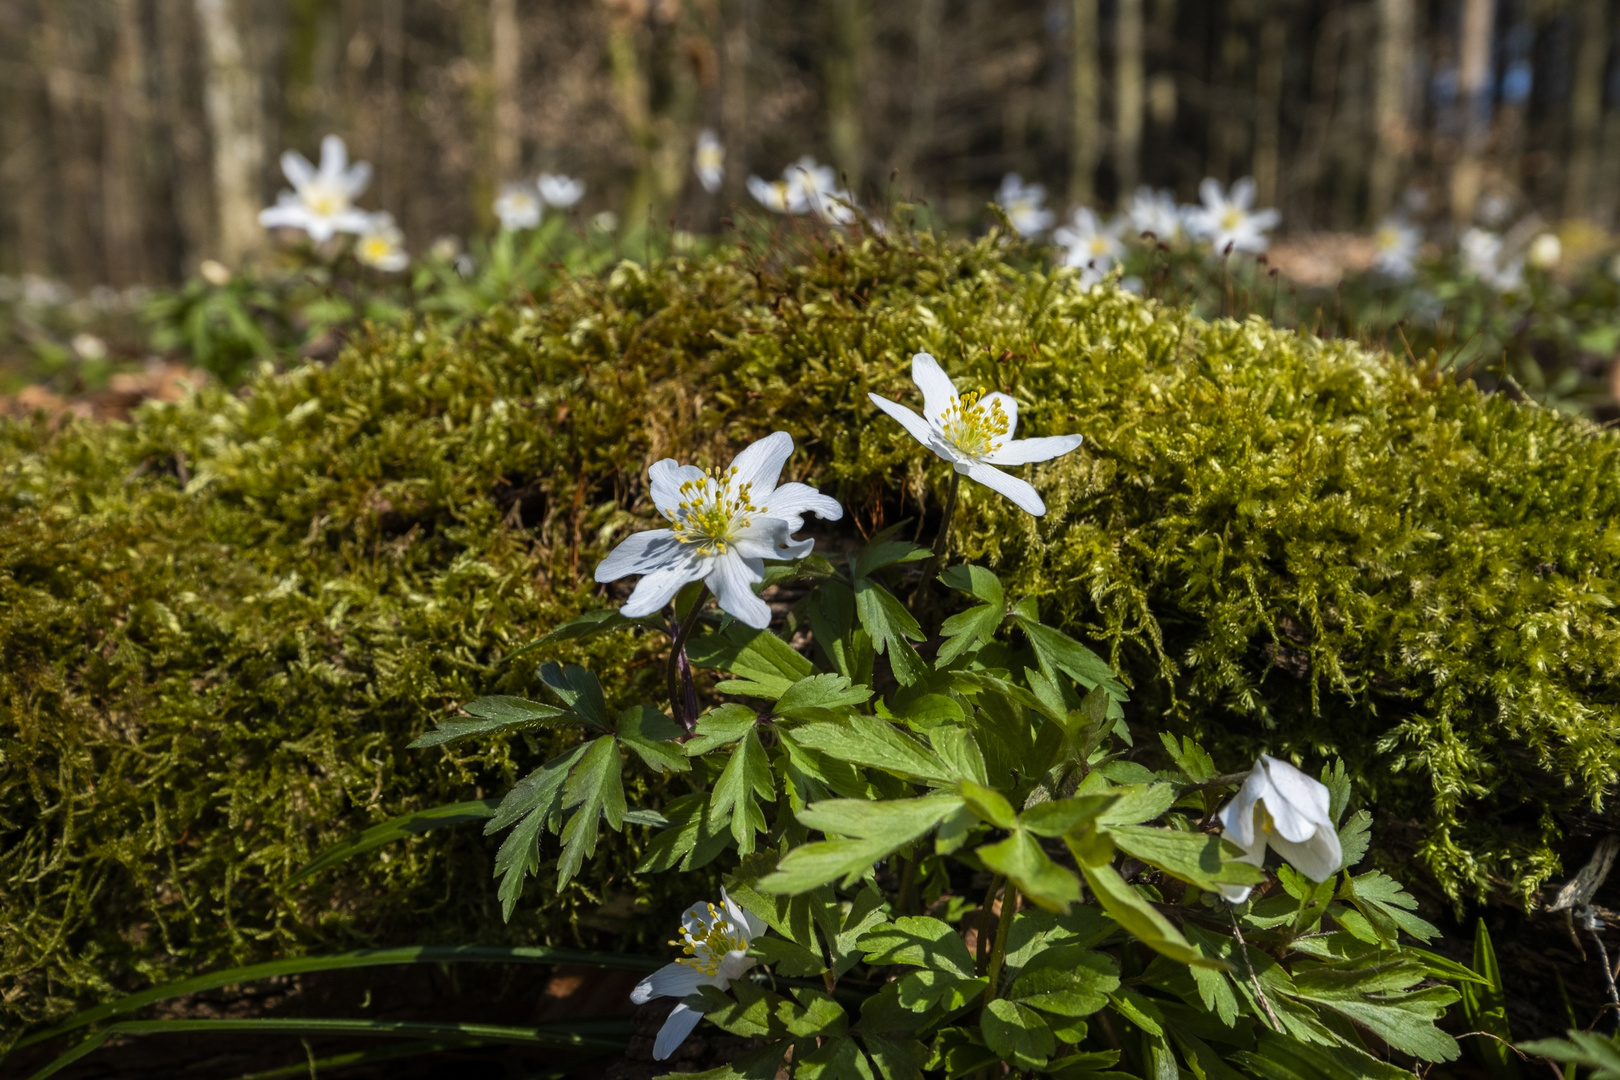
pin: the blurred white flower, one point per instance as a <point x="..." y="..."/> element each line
<point x="973" y="432"/>
<point x="89" y="347"/>
<point x="1155" y="212"/>
<point x="715" y="940"/>
<point x="561" y="191"/>
<point x="606" y="221"/>
<point x="322" y="200"/>
<point x="382" y="244"/>
<point x="1090" y="246"/>
<point x="723" y="525"/>
<point x="1024" y="205"/>
<point x="709" y="160"/>
<point x="1545" y="251"/>
<point x="445" y="248"/>
<point x="1395" y="248"/>
<point x="1494" y="208"/>
<point x="1481" y="253"/>
<point x="1281" y="807"/>
<point x="518" y="206"/>
<point x="214" y="272"/>
<point x="779" y="196"/>
<point x="1229" y="218"/>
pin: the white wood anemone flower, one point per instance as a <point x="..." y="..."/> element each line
<point x="709" y="160"/>
<point x="1024" y="205"/>
<point x="1230" y="218"/>
<point x="723" y="526"/>
<point x="518" y="207"/>
<point x="1280" y="807"/>
<point x="1156" y="212"/>
<point x="382" y="244"/>
<point x="322" y="200"/>
<point x="561" y="191"/>
<point x="715" y="940"/>
<point x="973" y="432"/>
<point x="1090" y="246"/>
<point x="1395" y="249"/>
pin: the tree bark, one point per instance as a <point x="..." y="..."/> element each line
<point x="844" y="69"/>
<point x="1268" y="110"/>
<point x="505" y="59"/>
<point x="235" y="120"/>
<point x="123" y="140"/>
<point x="1473" y="97"/>
<point x="1086" y="134"/>
<point x="924" y="93"/>
<point x="1128" y="96"/>
<point x="1586" y="108"/>
<point x="735" y="103"/>
<point x="1396" y="29"/>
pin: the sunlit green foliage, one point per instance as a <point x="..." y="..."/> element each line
<point x="222" y="623"/>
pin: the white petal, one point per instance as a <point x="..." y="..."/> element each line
<point x="1209" y="190"/>
<point x="915" y="425"/>
<point x="1237" y="816"/>
<point x="752" y="925"/>
<point x="659" y="588"/>
<point x="334" y="159"/>
<point x="641" y="553"/>
<point x="1006" y="484"/>
<point x="1261" y="220"/>
<point x="1254" y="855"/>
<point x="792" y="501"/>
<point x="356" y="179"/>
<point x="671" y="980"/>
<point x="734" y="965"/>
<point x="1242" y="192"/>
<point x="1318" y="858"/>
<point x="939" y="393"/>
<point x="349" y="221"/>
<point x="665" y="478"/>
<point x="768" y="538"/>
<point x="761" y="462"/>
<point x="675" y="1030"/>
<point x="297" y="167"/>
<point x="732" y="580"/>
<point x="1307" y="795"/>
<point x="1009" y="408"/>
<point x="285" y="214"/>
<point x="1025" y="451"/>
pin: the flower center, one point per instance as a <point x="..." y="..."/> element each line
<point x="973" y="427"/>
<point x="718" y="938"/>
<point x="376" y="248"/>
<point x="1387" y="239"/>
<point x="711" y="514"/>
<point x="323" y="201"/>
<point x="1232" y="218"/>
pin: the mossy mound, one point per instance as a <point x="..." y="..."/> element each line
<point x="222" y="622"/>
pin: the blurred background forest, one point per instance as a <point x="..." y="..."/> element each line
<point x="140" y="137"/>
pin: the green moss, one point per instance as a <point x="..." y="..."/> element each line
<point x="222" y="623"/>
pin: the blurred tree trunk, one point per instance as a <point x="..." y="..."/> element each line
<point x="390" y="147"/>
<point x="1351" y="125"/>
<point x="1396" y="31"/>
<point x="477" y="48"/>
<point x="924" y="94"/>
<point x="1473" y="96"/>
<point x="235" y="124"/>
<point x="24" y="161"/>
<point x="1086" y="133"/>
<point x="734" y="98"/>
<point x="505" y="58"/>
<point x="72" y="158"/>
<point x="1268" y="109"/>
<point x="123" y="160"/>
<point x="1586" y="108"/>
<point x="1128" y="96"/>
<point x="190" y="190"/>
<point x="630" y="87"/>
<point x="845" y="71"/>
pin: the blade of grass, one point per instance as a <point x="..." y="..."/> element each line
<point x="588" y="1035"/>
<point x="360" y="958"/>
<point x="397" y="828"/>
<point x="391" y="1053"/>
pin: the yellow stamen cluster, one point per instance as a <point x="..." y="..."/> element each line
<point x="705" y="953"/>
<point x="1232" y="218"/>
<point x="323" y="201"/>
<point x="710" y="512"/>
<point x="973" y="427"/>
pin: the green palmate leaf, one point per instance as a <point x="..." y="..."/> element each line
<point x="1017" y="1034"/>
<point x="1197" y="858"/>
<point x="494" y="714"/>
<point x="968" y="630"/>
<point x="721" y="726"/>
<point x="689" y="840"/>
<point x="1133" y="803"/>
<point x="812" y="1015"/>
<point x="787" y="958"/>
<point x="877" y="829"/>
<point x="1484" y="1007"/>
<point x="918" y="941"/>
<point x="596" y="1035"/>
<point x="832" y="623"/>
<point x="1043" y="881"/>
<point x="1066" y="980"/>
<point x="976" y="581"/>
<point x="1278" y="1057"/>
<point x="1192" y="759"/>
<point x="1062" y="816"/>
<point x="1382" y="1000"/>
<point x="743" y="782"/>
<point x="595" y="788"/>
<point x="1600" y="1053"/>
<point x="398" y="828"/>
<point x="1386" y="906"/>
<point x="589" y="624"/>
<point x="875" y="557"/>
<point x="959" y="750"/>
<point x="989" y="804"/>
<point x="896" y="1059"/>
<point x="651" y="735"/>
<point x="1057" y="651"/>
<point x="533" y="804"/>
<point x="892" y="628"/>
<point x="579" y="690"/>
<point x="835" y="1059"/>
<point x="1137" y="916"/>
<point x="874" y="743"/>
<point x="764" y="665"/>
<point x="819" y="693"/>
<point x="1355" y="836"/>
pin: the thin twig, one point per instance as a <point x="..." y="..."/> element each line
<point x="1254" y="980"/>
<point x="1592" y="924"/>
